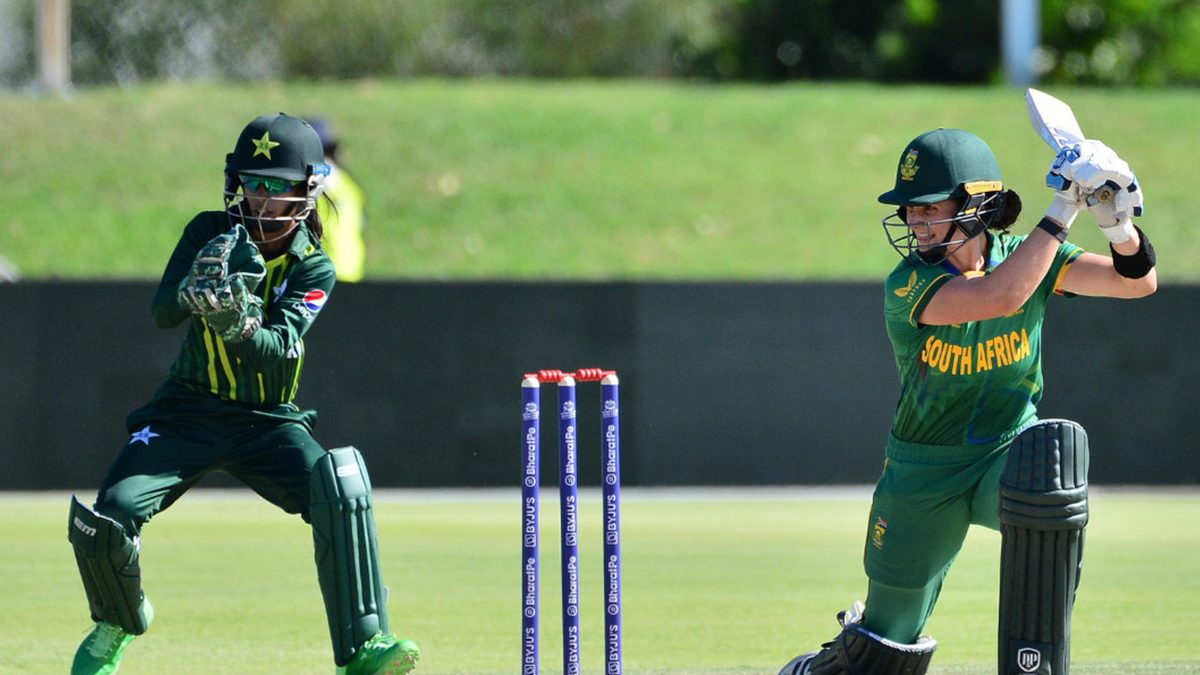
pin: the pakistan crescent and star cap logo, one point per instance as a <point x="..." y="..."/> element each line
<point x="263" y="145"/>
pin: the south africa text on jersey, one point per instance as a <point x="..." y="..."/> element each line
<point x="997" y="352"/>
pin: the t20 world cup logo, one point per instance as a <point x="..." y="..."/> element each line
<point x="609" y="410"/>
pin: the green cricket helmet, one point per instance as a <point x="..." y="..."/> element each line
<point x="276" y="153"/>
<point x="939" y="165"/>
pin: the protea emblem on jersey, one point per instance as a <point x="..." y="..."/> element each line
<point x="877" y="532"/>
<point x="908" y="168"/>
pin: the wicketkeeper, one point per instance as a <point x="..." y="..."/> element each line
<point x="964" y="311"/>
<point x="249" y="281"/>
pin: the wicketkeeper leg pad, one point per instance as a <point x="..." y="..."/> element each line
<point x="347" y="551"/>
<point x="858" y="651"/>
<point x="108" y="565"/>
<point x="1043" y="512"/>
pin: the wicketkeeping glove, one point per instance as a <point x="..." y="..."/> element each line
<point x="222" y="282"/>
<point x="237" y="325"/>
<point x="197" y="291"/>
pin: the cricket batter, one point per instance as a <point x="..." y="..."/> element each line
<point x="249" y="281"/>
<point x="964" y="311"/>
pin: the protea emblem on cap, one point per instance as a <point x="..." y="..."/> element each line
<point x="908" y="168"/>
<point x="263" y="145"/>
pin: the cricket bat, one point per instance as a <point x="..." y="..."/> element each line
<point x="1055" y="122"/>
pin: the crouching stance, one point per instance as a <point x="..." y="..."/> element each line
<point x="1043" y="511"/>
<point x="248" y="281"/>
<point x="347" y="557"/>
<point x="964" y="311"/>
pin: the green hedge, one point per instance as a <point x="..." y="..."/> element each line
<point x="1085" y="41"/>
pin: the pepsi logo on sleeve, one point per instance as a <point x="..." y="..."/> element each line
<point x="315" y="300"/>
<point x="311" y="303"/>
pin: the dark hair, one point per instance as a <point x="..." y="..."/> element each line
<point x="1010" y="208"/>
<point x="316" y="229"/>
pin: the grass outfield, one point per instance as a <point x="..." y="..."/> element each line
<point x="715" y="581"/>
<point x="583" y="180"/>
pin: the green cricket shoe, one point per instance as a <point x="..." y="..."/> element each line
<point x="100" y="652"/>
<point x="383" y="655"/>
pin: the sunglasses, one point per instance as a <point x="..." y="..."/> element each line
<point x="274" y="186"/>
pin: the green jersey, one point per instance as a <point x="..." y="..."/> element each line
<point x="264" y="371"/>
<point x="972" y="383"/>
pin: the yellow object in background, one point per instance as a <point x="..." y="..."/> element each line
<point x="343" y="216"/>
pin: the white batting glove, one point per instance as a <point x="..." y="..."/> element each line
<point x="1113" y="208"/>
<point x="1065" y="206"/>
<point x="1090" y="164"/>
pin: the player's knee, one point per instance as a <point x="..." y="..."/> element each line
<point x="1044" y="483"/>
<point x="340" y="475"/>
<point x="121" y="503"/>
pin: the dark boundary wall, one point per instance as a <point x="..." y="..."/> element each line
<point x="722" y="383"/>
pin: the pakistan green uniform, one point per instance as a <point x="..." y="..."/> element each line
<point x="965" y="391"/>
<point x="226" y="406"/>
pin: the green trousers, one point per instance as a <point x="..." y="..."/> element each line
<point x="926" y="499"/>
<point x="177" y="439"/>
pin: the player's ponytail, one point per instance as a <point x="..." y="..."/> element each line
<point x="1009" y="210"/>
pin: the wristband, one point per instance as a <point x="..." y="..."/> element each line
<point x="1053" y="229"/>
<point x="1139" y="264"/>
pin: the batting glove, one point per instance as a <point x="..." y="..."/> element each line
<point x="1065" y="206"/>
<point x="1092" y="164"/>
<point x="1113" y="208"/>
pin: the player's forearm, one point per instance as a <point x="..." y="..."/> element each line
<point x="1132" y="253"/>
<point x="165" y="309"/>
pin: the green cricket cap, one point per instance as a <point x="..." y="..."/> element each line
<point x="941" y="164"/>
<point x="276" y="146"/>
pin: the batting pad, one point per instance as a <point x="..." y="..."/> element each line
<point x="1043" y="512"/>
<point x="347" y="551"/>
<point x="108" y="565"/>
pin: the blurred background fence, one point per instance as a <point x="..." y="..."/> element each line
<point x="721" y="383"/>
<point x="1082" y="41"/>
